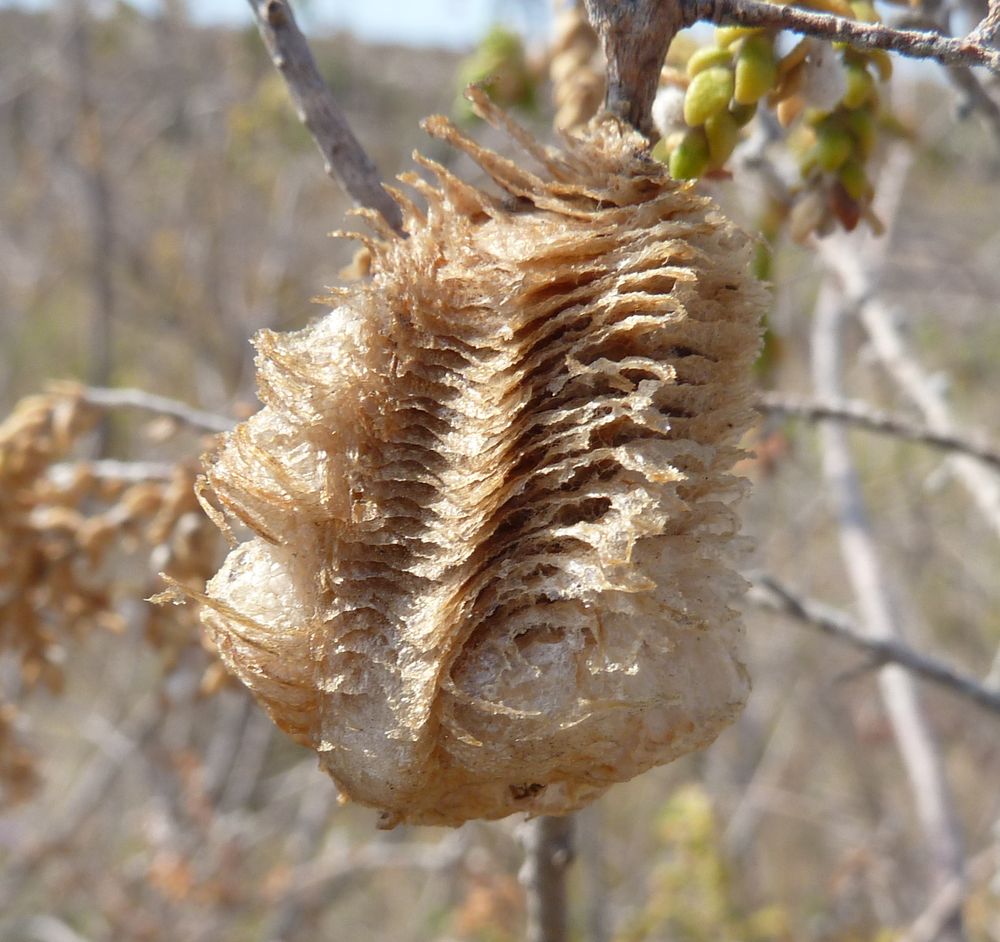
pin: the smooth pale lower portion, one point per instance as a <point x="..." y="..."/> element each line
<point x="541" y="716"/>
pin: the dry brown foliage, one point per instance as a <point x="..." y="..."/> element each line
<point x="76" y="540"/>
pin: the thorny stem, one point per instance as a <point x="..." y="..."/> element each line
<point x="346" y="160"/>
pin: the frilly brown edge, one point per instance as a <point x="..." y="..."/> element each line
<point x="491" y="490"/>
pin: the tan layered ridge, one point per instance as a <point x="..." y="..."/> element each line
<point x="491" y="491"/>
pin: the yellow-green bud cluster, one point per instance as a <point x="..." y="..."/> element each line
<point x="726" y="81"/>
<point x="839" y="143"/>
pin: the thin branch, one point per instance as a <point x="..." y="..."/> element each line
<point x="592" y="854"/>
<point x="859" y="271"/>
<point x="928" y="926"/>
<point x="910" y="375"/>
<point x="91" y="164"/>
<point x="548" y="852"/>
<point x="879" y="609"/>
<point x="917" y="44"/>
<point x="162" y="405"/>
<point x="972" y="96"/>
<point x="345" y="159"/>
<point x="768" y="592"/>
<point x="93" y="787"/>
<point x="855" y="412"/>
<point x="304" y="839"/>
<point x="109" y="469"/>
<point x="328" y="875"/>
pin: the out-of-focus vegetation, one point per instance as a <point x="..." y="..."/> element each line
<point x="159" y="203"/>
<point x="214" y="189"/>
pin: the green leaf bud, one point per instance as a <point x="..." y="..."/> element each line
<point x="723" y="135"/>
<point x="860" y="86"/>
<point x="690" y="159"/>
<point x="756" y="69"/>
<point x="725" y="36"/>
<point x="854" y="181"/>
<point x="708" y="93"/>
<point x="707" y="57"/>
<point x="834" y="146"/>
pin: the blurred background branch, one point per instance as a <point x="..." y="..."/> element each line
<point x="862" y="415"/>
<point x="877" y="600"/>
<point x="770" y="593"/>
<point x="121" y="397"/>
